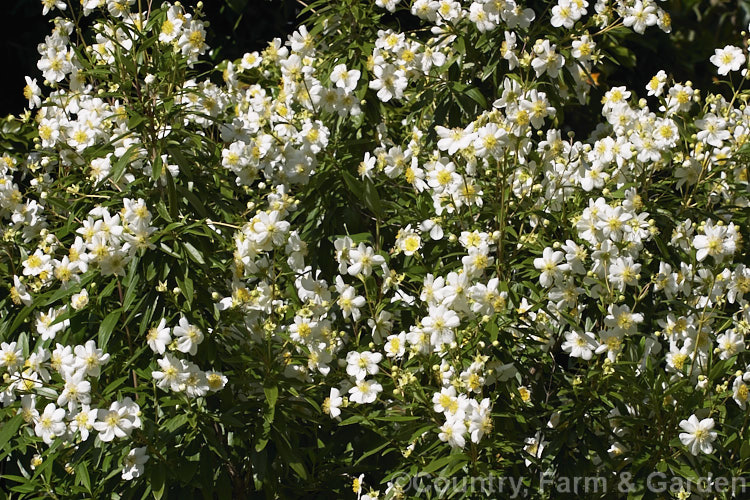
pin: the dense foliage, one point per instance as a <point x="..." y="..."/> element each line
<point x="428" y="241"/>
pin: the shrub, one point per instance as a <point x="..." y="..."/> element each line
<point x="408" y="245"/>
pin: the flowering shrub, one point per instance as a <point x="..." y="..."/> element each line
<point x="370" y="252"/>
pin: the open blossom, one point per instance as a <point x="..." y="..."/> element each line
<point x="345" y="78"/>
<point x="11" y="357"/>
<point x="47" y="325"/>
<point x="158" y="337"/>
<point x="76" y="391"/>
<point x="730" y="58"/>
<point x="79" y="300"/>
<point x="711" y="242"/>
<point x="730" y="343"/>
<point x="19" y="294"/>
<point x="171" y="375"/>
<point x="50" y="423"/>
<point x="567" y="12"/>
<point x="395" y="345"/>
<point x="389" y="82"/>
<point x="361" y="364"/>
<point x="188" y="337"/>
<point x="580" y="344"/>
<point x="133" y="463"/>
<point x="332" y="403"/>
<point x="641" y="15"/>
<point x="89" y="358"/>
<point x="440" y="325"/>
<point x="365" y="391"/>
<point x="698" y="435"/>
<point x="349" y="302"/>
<point x="550" y="265"/>
<point x="741" y="390"/>
<point x="363" y="259"/>
<point x="115" y="422"/>
<point x="547" y="59"/>
<point x="453" y="430"/>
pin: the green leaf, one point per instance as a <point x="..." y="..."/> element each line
<point x="123" y="162"/>
<point x="8" y="430"/>
<point x="272" y="395"/>
<point x="238" y="6"/>
<point x="156" y="167"/>
<point x="193" y="253"/>
<point x="186" y="287"/>
<point x="158" y="480"/>
<point x="18" y="321"/>
<point x="106" y="327"/>
<point x="171" y="195"/>
<point x="436" y="464"/>
<point x="397" y="418"/>
<point x="82" y="476"/>
<point x="372" y="199"/>
<point x="298" y="468"/>
<point x="477" y="96"/>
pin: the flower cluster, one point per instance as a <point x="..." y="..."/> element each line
<point x="389" y="238"/>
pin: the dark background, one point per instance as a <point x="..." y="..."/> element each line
<point x="236" y="27"/>
<point x="239" y="26"/>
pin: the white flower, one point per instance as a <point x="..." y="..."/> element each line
<point x="83" y="421"/>
<point x="440" y="324"/>
<point x="19" y="294"/>
<point x="550" y="266"/>
<point x="115" y="422"/>
<point x="740" y="390"/>
<point x="48" y="5"/>
<point x="534" y="447"/>
<point x="640" y="15"/>
<point x="730" y="343"/>
<point x="332" y="403"/>
<point x="389" y="82"/>
<point x="622" y="319"/>
<point x="251" y="60"/>
<point x="76" y="391"/>
<point x="445" y="401"/>
<point x="345" y="79"/>
<point x="50" y="423"/>
<point x="192" y="42"/>
<point x="453" y="430"/>
<point x="132" y="466"/>
<point x="89" y="358"/>
<point x="480" y="420"/>
<point x="711" y="242"/>
<point x="215" y="380"/>
<point x="361" y="364"/>
<point x="547" y="59"/>
<point x="395" y="345"/>
<point x="188" y="337"/>
<point x="580" y="345"/>
<point x="730" y="58"/>
<point x="348" y="301"/>
<point x="171" y="375"/>
<point x="365" y="391"/>
<point x="10" y="356"/>
<point x="32" y="92"/>
<point x="363" y="259"/>
<point x="79" y="300"/>
<point x="158" y="337"/>
<point x="46" y="326"/>
<point x="698" y="435"/>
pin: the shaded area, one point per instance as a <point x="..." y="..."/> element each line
<point x="239" y="26"/>
<point x="236" y="27"/>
